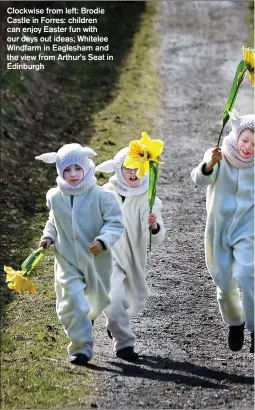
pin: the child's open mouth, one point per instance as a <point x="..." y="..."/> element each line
<point x="134" y="178"/>
<point x="246" y="152"/>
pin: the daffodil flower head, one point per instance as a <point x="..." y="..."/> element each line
<point x="141" y="152"/>
<point x="18" y="281"/>
<point x="249" y="58"/>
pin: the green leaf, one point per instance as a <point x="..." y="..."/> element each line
<point x="153" y="175"/>
<point x="239" y="76"/>
<point x="33" y="259"/>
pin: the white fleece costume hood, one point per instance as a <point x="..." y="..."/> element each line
<point x="121" y="186"/>
<point x="72" y="154"/>
<point x="229" y="145"/>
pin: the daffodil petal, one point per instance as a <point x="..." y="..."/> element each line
<point x="134" y="145"/>
<point x="8" y="269"/>
<point x="158" y="162"/>
<point x="146" y="167"/>
<point x="141" y="172"/>
<point x="136" y="149"/>
<point x="130" y="162"/>
<point x="249" y="57"/>
<point x="145" y="140"/>
<point x="133" y="142"/>
<point x="10" y="276"/>
<point x="155" y="149"/>
<point x="32" y="289"/>
<point x="251" y="75"/>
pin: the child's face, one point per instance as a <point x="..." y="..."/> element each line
<point x="129" y="174"/>
<point x="245" y="144"/>
<point x="73" y="174"/>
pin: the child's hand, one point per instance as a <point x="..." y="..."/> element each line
<point x="152" y="220"/>
<point x="96" y="248"/>
<point x="216" y="157"/>
<point x="45" y="243"/>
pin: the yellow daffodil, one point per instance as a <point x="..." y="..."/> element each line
<point x="21" y="284"/>
<point x="11" y="272"/>
<point x="18" y="282"/>
<point x="18" y="279"/>
<point x="141" y="152"/>
<point x="249" y="58"/>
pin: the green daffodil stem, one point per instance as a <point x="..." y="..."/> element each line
<point x="153" y="175"/>
<point x="32" y="260"/>
<point x="226" y="117"/>
<point x="221" y="131"/>
<point x="150" y="231"/>
<point x="231" y="101"/>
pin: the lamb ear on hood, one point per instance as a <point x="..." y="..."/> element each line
<point x="234" y="116"/>
<point x="48" y="157"/>
<point x="88" y="152"/>
<point x="106" y="166"/>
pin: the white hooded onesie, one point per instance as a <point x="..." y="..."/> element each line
<point x="129" y="288"/>
<point x="229" y="232"/>
<point x="78" y="216"/>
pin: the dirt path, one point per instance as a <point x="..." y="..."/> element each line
<point x="185" y="360"/>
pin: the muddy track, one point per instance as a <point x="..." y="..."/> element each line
<point x="185" y="361"/>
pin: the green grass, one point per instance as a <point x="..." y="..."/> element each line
<point x="135" y="106"/>
<point x="35" y="370"/>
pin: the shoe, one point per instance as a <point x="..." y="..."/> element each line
<point x="79" y="358"/>
<point x="109" y="333"/>
<point x="127" y="353"/>
<point x="252" y="343"/>
<point x="236" y="337"/>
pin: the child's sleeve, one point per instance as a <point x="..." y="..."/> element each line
<point x="159" y="233"/>
<point x="49" y="231"/>
<point x="198" y="174"/>
<point x="113" y="220"/>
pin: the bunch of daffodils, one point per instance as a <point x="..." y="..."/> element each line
<point x="19" y="280"/>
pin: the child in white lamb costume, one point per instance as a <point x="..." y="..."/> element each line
<point x="229" y="232"/>
<point x="129" y="288"/>
<point x="84" y="223"/>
